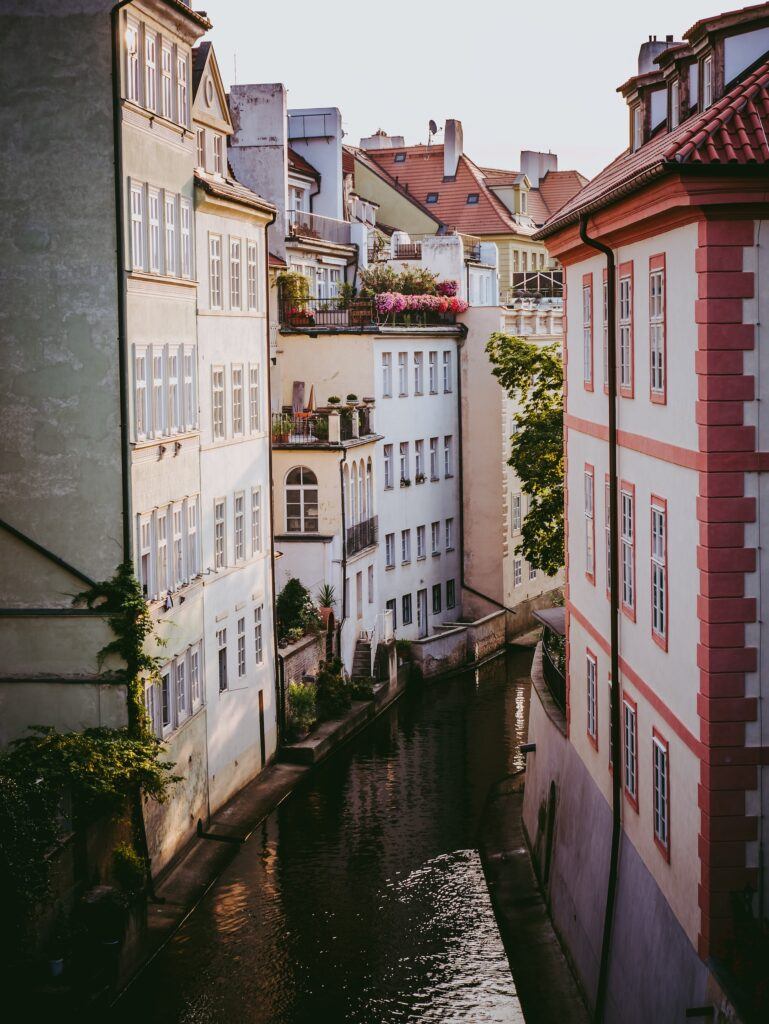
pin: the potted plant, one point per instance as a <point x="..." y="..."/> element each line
<point x="294" y="293"/>
<point x="420" y="478"/>
<point x="405" y="482"/>
<point x="302" y="711"/>
<point x="334" y="400"/>
<point x="352" y="399"/>
<point x="281" y="428"/>
<point x="327" y="596"/>
<point x="345" y="295"/>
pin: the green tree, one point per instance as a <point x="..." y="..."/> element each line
<point x="533" y="378"/>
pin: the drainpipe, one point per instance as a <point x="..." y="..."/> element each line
<point x="279" y="673"/>
<point x="616" y="775"/>
<point x="344" y="546"/>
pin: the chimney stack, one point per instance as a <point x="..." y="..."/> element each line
<point x="536" y="165"/>
<point x="452" y="147"/>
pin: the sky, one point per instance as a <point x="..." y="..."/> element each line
<point x="534" y="75"/>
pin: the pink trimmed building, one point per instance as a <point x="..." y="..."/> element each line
<point x="646" y="796"/>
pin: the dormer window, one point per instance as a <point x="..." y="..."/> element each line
<point x="200" y="138"/>
<point x="472" y="198"/>
<point x="675" y="104"/>
<point x="707" y="82"/>
<point x="694" y="86"/>
<point x="637" y="127"/>
<point x="218" y="160"/>
<point x="431" y="197"/>
<point x="399" y="158"/>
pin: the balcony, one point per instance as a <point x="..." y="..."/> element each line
<point x="324" y="427"/>
<point x="536" y="284"/>
<point x="554" y="652"/>
<point x="362" y="535"/>
<point x="303" y="224"/>
<point x="342" y="314"/>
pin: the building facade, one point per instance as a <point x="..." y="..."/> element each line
<point x="681" y="214"/>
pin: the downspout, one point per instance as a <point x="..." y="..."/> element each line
<point x="122" y="322"/>
<point x="279" y="665"/>
<point x="616" y="775"/>
<point x="344" y="544"/>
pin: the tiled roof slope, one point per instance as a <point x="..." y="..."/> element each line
<point x="229" y="188"/>
<point x="364" y="156"/>
<point x="733" y="131"/>
<point x="297" y="162"/>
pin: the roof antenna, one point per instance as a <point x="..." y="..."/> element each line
<point x="234" y="69"/>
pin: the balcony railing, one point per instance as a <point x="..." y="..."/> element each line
<point x="362" y="535"/>
<point x="537" y="284"/>
<point x="323" y="427"/>
<point x="303" y="224"/>
<point x="342" y="314"/>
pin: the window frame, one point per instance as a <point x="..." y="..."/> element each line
<point x="406" y="547"/>
<point x="626" y="390"/>
<point x="628" y="704"/>
<point x="451" y="594"/>
<point x="388" y="460"/>
<point x="218" y="407"/>
<point x="252" y="276"/>
<point x="627" y="490"/>
<point x="238" y="400"/>
<point x="589" y="513"/>
<point x="587" y="332"/>
<point x="220" y="533"/>
<point x="239" y="526"/>
<point x="221" y="658"/>
<point x="448" y="456"/>
<point x="387" y="374"/>
<point x="215" y="272"/>
<point x="236" y="273"/>
<point x="658" y="319"/>
<point x="448" y="384"/>
<point x="257" y="539"/>
<point x="303" y="502"/>
<point x="661" y="745"/>
<point x="659" y="507"/>
<point x="591" y="697"/>
<point x="407" y="610"/>
<point x="133" y="79"/>
<point x="254" y="398"/>
<point x="389" y="551"/>
<point x="139" y="253"/>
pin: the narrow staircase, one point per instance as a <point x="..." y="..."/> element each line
<point x="361" y="662"/>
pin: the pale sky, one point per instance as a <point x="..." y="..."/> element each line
<point x="535" y="75"/>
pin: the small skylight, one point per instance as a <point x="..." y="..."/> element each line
<point x="472" y="198"/>
<point x="400" y="158"/>
<point x="432" y="197"/>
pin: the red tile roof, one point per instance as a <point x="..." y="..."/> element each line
<point x="229" y="188"/>
<point x="733" y="131"/>
<point x="297" y="163"/>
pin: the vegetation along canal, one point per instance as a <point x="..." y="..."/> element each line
<point x="361" y="899"/>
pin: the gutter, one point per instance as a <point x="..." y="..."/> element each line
<point x="344" y="543"/>
<point x="616" y="775"/>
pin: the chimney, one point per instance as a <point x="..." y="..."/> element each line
<point x="649" y="51"/>
<point x="452" y="147"/>
<point x="381" y="140"/>
<point x="536" y="165"/>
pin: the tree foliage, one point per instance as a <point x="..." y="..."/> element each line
<point x="533" y="378"/>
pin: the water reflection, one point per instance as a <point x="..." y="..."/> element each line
<point x="362" y="898"/>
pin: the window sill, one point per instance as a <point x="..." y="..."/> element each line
<point x="154" y="442"/>
<point x="389" y="568"/>
<point x="421" y="558"/>
<point x="388" y="487"/>
<point x="448" y="550"/>
<point x="138" y="274"/>
<point x="152" y="115"/>
<point x="436" y="554"/>
<point x="406" y="562"/>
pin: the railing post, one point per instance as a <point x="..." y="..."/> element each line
<point x="334" y="428"/>
<point x="355" y="423"/>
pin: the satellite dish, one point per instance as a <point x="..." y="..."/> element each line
<point x="433" y="128"/>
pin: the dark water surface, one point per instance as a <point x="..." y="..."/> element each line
<point x="361" y="900"/>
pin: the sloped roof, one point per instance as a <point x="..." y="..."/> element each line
<point x="558" y="187"/>
<point x="297" y="163"/>
<point x="731" y="132"/>
<point x="229" y="188"/>
<point x="364" y="157"/>
<point x="199" y="58"/>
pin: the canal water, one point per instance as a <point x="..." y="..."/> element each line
<point x="361" y="899"/>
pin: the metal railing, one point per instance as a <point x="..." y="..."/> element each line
<point x="407" y="250"/>
<point x="313" y="314"/>
<point x="362" y="535"/>
<point x="303" y="224"/>
<point x="324" y="427"/>
<point x="554" y="677"/>
<point x="537" y="283"/>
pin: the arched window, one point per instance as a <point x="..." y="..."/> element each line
<point x="362" y="512"/>
<point x="354" y="494"/>
<point x="301" y="501"/>
<point x="347" y="499"/>
<point x="369" y="489"/>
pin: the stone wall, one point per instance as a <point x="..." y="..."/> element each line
<point x="302" y="658"/>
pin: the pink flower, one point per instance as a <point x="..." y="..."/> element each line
<point x="447" y="288"/>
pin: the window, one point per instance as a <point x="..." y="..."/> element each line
<point x="181" y="688"/>
<point x="221" y="643"/>
<point x="403" y="373"/>
<point x="158" y="392"/>
<point x="254" y="400"/>
<point x="627" y="547"/>
<point x="258" y="637"/>
<point x="150" y="70"/>
<point x="405" y="460"/>
<point x="589" y="483"/>
<point x="235" y="272"/>
<point x="174" y="411"/>
<point x="637" y="122"/>
<point x="472" y="198"/>
<point x="659" y="571"/>
<point x="406" y="613"/>
<point x="419" y="460"/>
<point x="418" y="373"/>
<point x="193" y="564"/>
<point x="447" y="381"/>
<point x="626" y="331"/>
<point x="433" y="458"/>
<point x="301" y="501"/>
<point x="177" y="570"/>
<point x="525" y="204"/>
<point x="435" y="538"/>
<point x="390" y="551"/>
<point x="145" y="556"/>
<point x="218" y="161"/>
<point x="237" y="399"/>
<point x="252" y="280"/>
<point x="140" y="394"/>
<point x="217" y="401"/>
<point x="657" y="329"/>
<point x="592" y="699"/>
<point x="220" y="537"/>
<point x="421" y="542"/>
<point x="675" y="104"/>
<point x="166" y="82"/>
<point x="405" y="546"/>
<point x="450" y="534"/>
<point x="132" y="61"/>
<point x="630" y="750"/>
<point x="185" y="209"/>
<point x="707" y="82"/>
<point x="195" y="690"/>
<point x="256" y="520"/>
<point x="181" y="89"/>
<point x="388" y="466"/>
<point x="215" y="271"/>
<point x="161" y="549"/>
<point x="517" y="572"/>
<point x="153" y="209"/>
<point x="137" y="228"/>
<point x="515" y="514"/>
<point x="399" y="158"/>
<point x="392" y="607"/>
<point x="436" y="599"/>
<point x="431" y="197"/>
<point x="660" y="754"/>
<point x="370" y="583"/>
<point x="448" y="455"/>
<point x="605" y="333"/>
<point x="387" y="374"/>
<point x="451" y="594"/>
<point x="169" y="211"/>
<point x="240" y="527"/>
<point x="241" y="648"/>
<point x="432" y="376"/>
<point x="587" y="331"/>
<point x="532" y="572"/>
<point x="422" y="612"/>
<point x="166" y="700"/>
